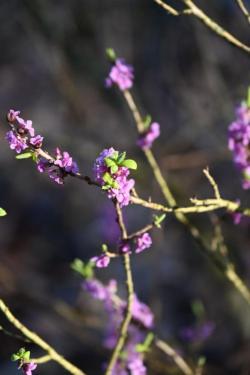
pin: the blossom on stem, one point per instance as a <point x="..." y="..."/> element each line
<point x="147" y="138"/>
<point x="102" y="261"/>
<point x="111" y="172"/>
<point x="120" y="74"/>
<point x="15" y="142"/>
<point x="28" y="368"/>
<point x="143" y="242"/>
<point x="58" y="168"/>
<point x="239" y="142"/>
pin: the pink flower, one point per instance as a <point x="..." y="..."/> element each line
<point x="121" y="74"/>
<point x="28" y="368"/>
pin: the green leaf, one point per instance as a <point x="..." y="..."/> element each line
<point x="147" y="121"/>
<point x="107" y="178"/>
<point x="25" y="155"/>
<point x="114" y="169"/>
<point x="104" y="248"/>
<point x="115" y="155"/>
<point x="198" y="309"/>
<point x="248" y="97"/>
<point x="109" y="162"/>
<point x="111" y="55"/>
<point x="144" y="346"/>
<point x="85" y="270"/>
<point x="129" y="163"/>
<point x="121" y="157"/>
<point x="26" y="356"/>
<point x="15" y="357"/>
<point x="2" y="212"/>
<point x="158" y="219"/>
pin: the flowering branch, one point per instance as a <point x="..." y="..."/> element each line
<point x="227" y="267"/>
<point x="194" y="10"/>
<point x="32" y="336"/>
<point x="130" y="293"/>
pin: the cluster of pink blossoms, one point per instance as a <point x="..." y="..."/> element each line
<point x="121" y="74"/>
<point x="131" y="363"/>
<point x="115" y="180"/>
<point x="22" y="137"/>
<point x="239" y="142"/>
<point x="142" y="242"/>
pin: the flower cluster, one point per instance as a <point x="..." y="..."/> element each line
<point x="58" y="167"/>
<point x="22" y="137"/>
<point x="142" y="320"/>
<point x="111" y="171"/>
<point x="239" y="142"/>
<point x="121" y="74"/>
<point x="147" y="138"/>
<point x="142" y="242"/>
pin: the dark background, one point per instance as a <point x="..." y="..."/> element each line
<point x="52" y="68"/>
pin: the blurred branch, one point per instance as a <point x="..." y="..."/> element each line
<point x="32" y="336"/>
<point x="179" y="361"/>
<point x="243" y="8"/>
<point x="43" y="359"/>
<point x="194" y="10"/>
<point x="130" y="296"/>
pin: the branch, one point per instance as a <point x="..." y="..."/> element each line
<point x="194" y="10"/>
<point x="225" y="267"/>
<point x="130" y="295"/>
<point x="179" y="361"/>
<point x="32" y="336"/>
<point x="243" y="8"/>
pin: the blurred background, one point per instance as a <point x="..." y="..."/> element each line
<point x="52" y="68"/>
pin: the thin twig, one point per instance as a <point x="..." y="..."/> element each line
<point x="130" y="296"/>
<point x="243" y="8"/>
<point x="39" y="341"/>
<point x="198" y="13"/>
<point x="43" y="359"/>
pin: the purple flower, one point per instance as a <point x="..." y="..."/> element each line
<point x="95" y="289"/>
<point x="146" y="139"/>
<point x="198" y="333"/>
<point x="137" y="367"/>
<point x="121" y="74"/>
<point x="65" y="161"/>
<point x="121" y="192"/>
<point x="100" y="166"/>
<point x="101" y="261"/>
<point x="25" y="126"/>
<point x="12" y="115"/>
<point x="124" y="247"/>
<point x="28" y="368"/>
<point x="239" y="143"/>
<point x="15" y="143"/>
<point x="36" y="141"/>
<point x="143" y="242"/>
<point x="59" y="168"/>
<point x="142" y="313"/>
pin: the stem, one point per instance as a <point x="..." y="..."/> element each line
<point x="130" y="296"/>
<point x="39" y="341"/>
<point x="179" y="361"/>
<point x="243" y="8"/>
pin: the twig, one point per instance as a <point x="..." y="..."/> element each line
<point x="212" y="182"/>
<point x="43" y="359"/>
<point x="39" y="341"/>
<point x="194" y="10"/>
<point x="130" y="296"/>
<point x="179" y="361"/>
<point x="243" y="8"/>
